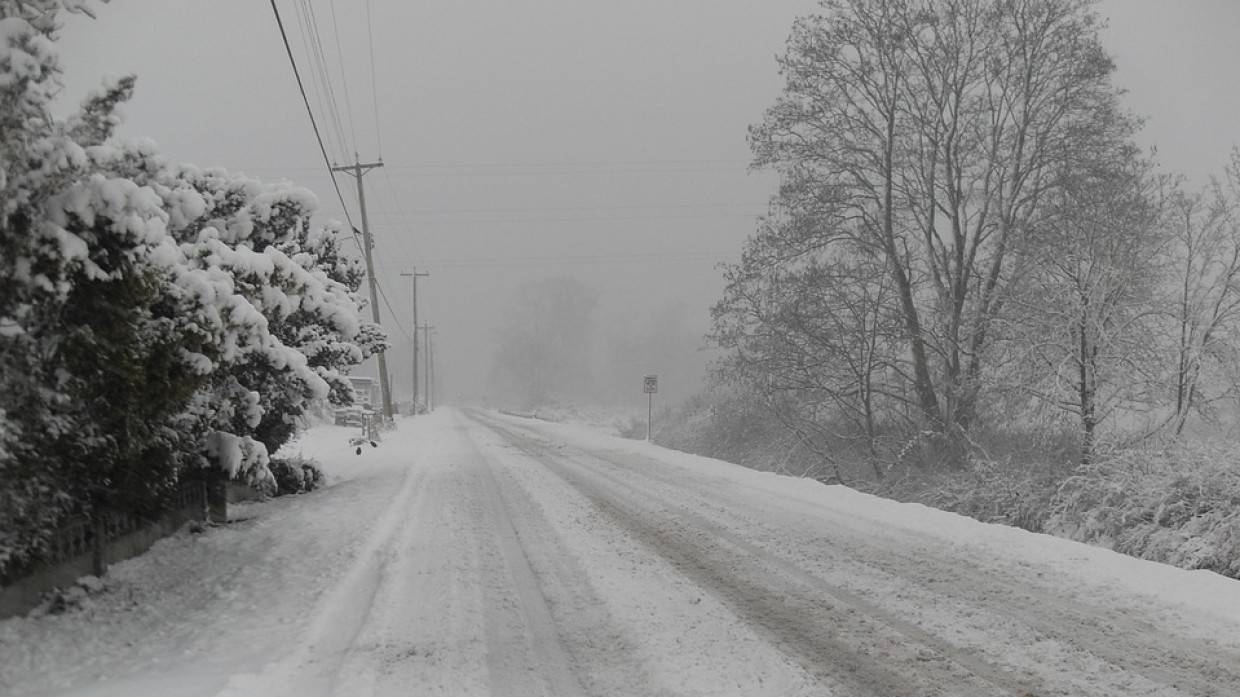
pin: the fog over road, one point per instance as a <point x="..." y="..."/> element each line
<point x="479" y="554"/>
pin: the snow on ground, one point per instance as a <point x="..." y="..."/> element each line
<point x="196" y="608"/>
<point x="478" y="554"/>
<point x="1206" y="595"/>
<point x="613" y="420"/>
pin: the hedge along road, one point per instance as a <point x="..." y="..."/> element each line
<point x="502" y="556"/>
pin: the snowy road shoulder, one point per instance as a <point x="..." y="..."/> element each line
<point x="1210" y="602"/>
<point x="475" y="554"/>
<point x="184" y="617"/>
<point x="1069" y="618"/>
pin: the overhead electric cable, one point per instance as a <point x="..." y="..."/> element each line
<point x="344" y="79"/>
<point x="324" y="74"/>
<point x="474" y="222"/>
<point x="400" y="213"/>
<point x="327" y="160"/>
<point x="374" y="90"/>
<point x="475" y="169"/>
<point x="395" y="317"/>
<point x="316" y="84"/>
<point x="432" y="212"/>
<point x="674" y="258"/>
<point x="313" y="123"/>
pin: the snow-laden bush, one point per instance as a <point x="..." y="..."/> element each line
<point x="154" y="318"/>
<point x="1004" y="491"/>
<point x="1179" y="505"/>
<point x="296" y="475"/>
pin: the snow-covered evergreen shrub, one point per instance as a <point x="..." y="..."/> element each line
<point x="1179" y="505"/>
<point x="295" y="475"/>
<point x="153" y="318"/>
<point x="59" y="601"/>
<point x="90" y="374"/>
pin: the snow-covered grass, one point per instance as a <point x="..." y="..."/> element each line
<point x="1179" y="505"/>
<point x="617" y="420"/>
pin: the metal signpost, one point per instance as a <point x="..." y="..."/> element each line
<point x="650" y="385"/>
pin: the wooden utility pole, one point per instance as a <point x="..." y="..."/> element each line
<point x="414" y="275"/>
<point x="426" y="336"/>
<point x="650" y="385"/>
<point x="356" y="170"/>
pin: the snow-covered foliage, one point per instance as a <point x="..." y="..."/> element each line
<point x="154" y="318"/>
<point x="1180" y="506"/>
<point x="1177" y="504"/>
<point x="296" y="474"/>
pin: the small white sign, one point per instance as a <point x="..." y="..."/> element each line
<point x="650" y="385"/>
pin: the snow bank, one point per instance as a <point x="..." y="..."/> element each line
<point x="1207" y="595"/>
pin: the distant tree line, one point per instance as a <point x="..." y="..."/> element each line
<point x="156" y="320"/>
<point x="966" y="243"/>
<point x="553" y="346"/>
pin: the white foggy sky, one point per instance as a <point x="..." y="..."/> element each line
<point x="604" y="140"/>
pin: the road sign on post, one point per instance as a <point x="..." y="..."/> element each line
<point x="650" y="385"/>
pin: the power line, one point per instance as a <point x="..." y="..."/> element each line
<point x="320" y="92"/>
<point x="582" y="209"/>
<point x="318" y="67"/>
<point x="344" y="79"/>
<point x="310" y="112"/>
<point x="374" y="90"/>
<point x="568" y="167"/>
<point x="327" y="161"/>
<point x="395" y="317"/>
<point x="400" y="214"/>
<point x="580" y="219"/>
<point x="584" y="163"/>
<point x="582" y="259"/>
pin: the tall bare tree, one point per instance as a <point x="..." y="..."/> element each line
<point x="811" y="331"/>
<point x="1089" y="309"/>
<point x="1204" y="307"/>
<point x="931" y="134"/>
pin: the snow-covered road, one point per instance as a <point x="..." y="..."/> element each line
<point x="476" y="554"/>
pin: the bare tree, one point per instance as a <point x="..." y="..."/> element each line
<point x="931" y="134"/>
<point x="811" y="331"/>
<point x="1089" y="309"/>
<point x="1204" y="307"/>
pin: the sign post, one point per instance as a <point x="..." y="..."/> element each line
<point x="650" y="385"/>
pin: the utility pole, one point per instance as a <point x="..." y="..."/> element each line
<point x="432" y="390"/>
<point x="356" y="170"/>
<point x="415" y="276"/>
<point x="426" y="336"/>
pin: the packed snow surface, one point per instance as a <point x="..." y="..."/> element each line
<point x="475" y="554"/>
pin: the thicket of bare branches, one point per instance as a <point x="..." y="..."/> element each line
<point x="967" y="244"/>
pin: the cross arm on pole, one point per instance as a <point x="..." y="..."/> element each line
<point x="357" y="169"/>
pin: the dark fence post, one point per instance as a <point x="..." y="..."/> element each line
<point x="217" y="496"/>
<point x="97" y="541"/>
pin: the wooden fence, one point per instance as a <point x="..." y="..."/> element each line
<point x="84" y="546"/>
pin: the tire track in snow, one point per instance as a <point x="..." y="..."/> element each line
<point x="831" y="632"/>
<point x="1112" y="638"/>
<point x="630" y="621"/>
<point x="508" y="674"/>
<point x="312" y="668"/>
<point x="1132" y="644"/>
